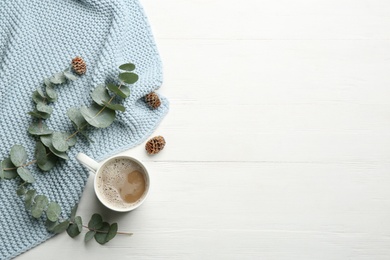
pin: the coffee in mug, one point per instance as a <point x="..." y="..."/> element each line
<point x="121" y="182"/>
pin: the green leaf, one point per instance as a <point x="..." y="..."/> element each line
<point x="35" y="113"/>
<point x="40" y="153"/>
<point x="123" y="92"/>
<point x="51" y="93"/>
<point x="73" y="230"/>
<point x="39" y="128"/>
<point x="79" y="222"/>
<point x="128" y="77"/>
<point x="69" y="75"/>
<point x="29" y="198"/>
<point x="59" y="142"/>
<point x="96" y="221"/>
<point x="76" y="117"/>
<point x="71" y="141"/>
<point x="43" y="108"/>
<point x="46" y="140"/>
<point x="53" y="211"/>
<point x="115" y="106"/>
<point x="58" y="154"/>
<point x="89" y="235"/>
<point x="39" y="206"/>
<point x="127" y="67"/>
<point x="49" y="164"/>
<point x="18" y="155"/>
<point x="98" y="116"/>
<point x="73" y="212"/>
<point x="61" y="227"/>
<point x="101" y="237"/>
<point x="21" y="190"/>
<point x="112" y="232"/>
<point x="50" y="225"/>
<point x="47" y="82"/>
<point x="40" y="92"/>
<point x="25" y="174"/>
<point x="58" y="78"/>
<point x="37" y="98"/>
<point x="100" y="94"/>
<point x="8" y="174"/>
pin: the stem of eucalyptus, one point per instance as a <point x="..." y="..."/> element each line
<point x="102" y="231"/>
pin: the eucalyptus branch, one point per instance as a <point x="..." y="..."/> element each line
<point x="52" y="145"/>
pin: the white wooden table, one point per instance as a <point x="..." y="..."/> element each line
<point x="278" y="136"/>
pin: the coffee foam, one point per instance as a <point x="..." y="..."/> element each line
<point x="112" y="177"/>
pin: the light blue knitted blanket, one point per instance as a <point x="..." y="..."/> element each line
<point x="39" y="38"/>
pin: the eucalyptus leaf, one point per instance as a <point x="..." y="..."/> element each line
<point x="53" y="211"/>
<point x="123" y="91"/>
<point x="89" y="235"/>
<point x="1" y="172"/>
<point x="47" y="82"/>
<point x="72" y="230"/>
<point x="21" y="190"/>
<point x="128" y="77"/>
<point x="127" y="67"/>
<point x="96" y="221"/>
<point x="69" y="75"/>
<point x="115" y="106"/>
<point x="51" y="93"/>
<point x="50" y="225"/>
<point x="8" y="174"/>
<point x="40" y="92"/>
<point x="61" y="227"/>
<point x="71" y="141"/>
<point x="18" y="155"/>
<point x="112" y="232"/>
<point x="100" y="94"/>
<point x="73" y="212"/>
<point x="59" y="142"/>
<point x="40" y="153"/>
<point x="47" y="141"/>
<point x="58" y="153"/>
<point x="29" y="198"/>
<point x="79" y="222"/>
<point x="37" y="98"/>
<point x="101" y="237"/>
<point x="49" y="163"/>
<point x="37" y="114"/>
<point x="25" y="174"/>
<point x="76" y="117"/>
<point x="39" y="128"/>
<point x="58" y="78"/>
<point x="98" y="116"/>
<point x="39" y="206"/>
<point x="42" y="107"/>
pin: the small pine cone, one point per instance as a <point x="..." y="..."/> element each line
<point x="152" y="100"/>
<point x="79" y="66"/>
<point x="155" y="145"/>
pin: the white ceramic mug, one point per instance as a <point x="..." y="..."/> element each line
<point x="98" y="168"/>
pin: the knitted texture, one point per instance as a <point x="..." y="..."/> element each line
<point x="39" y="38"/>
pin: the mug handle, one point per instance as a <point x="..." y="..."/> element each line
<point x="88" y="162"/>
